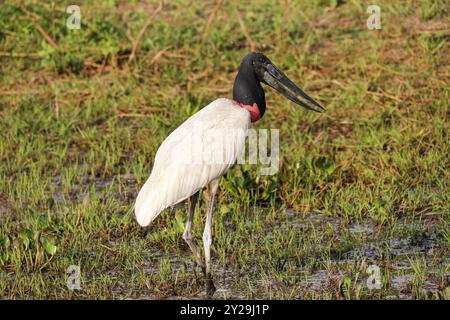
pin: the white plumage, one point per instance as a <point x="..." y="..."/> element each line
<point x="202" y="149"/>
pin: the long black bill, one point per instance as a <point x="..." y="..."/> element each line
<point x="275" y="78"/>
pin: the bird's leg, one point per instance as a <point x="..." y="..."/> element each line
<point x="207" y="237"/>
<point x="187" y="236"/>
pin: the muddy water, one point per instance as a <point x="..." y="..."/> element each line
<point x="393" y="253"/>
<point x="399" y="251"/>
<point x="81" y="191"/>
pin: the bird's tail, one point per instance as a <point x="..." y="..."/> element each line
<point x="148" y="205"/>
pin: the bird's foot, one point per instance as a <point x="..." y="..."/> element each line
<point x="210" y="287"/>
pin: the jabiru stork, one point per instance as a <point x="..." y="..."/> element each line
<point x="187" y="160"/>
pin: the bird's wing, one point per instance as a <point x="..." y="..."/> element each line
<point x="203" y="148"/>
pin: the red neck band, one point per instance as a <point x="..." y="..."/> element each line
<point x="255" y="115"/>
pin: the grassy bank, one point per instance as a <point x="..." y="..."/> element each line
<point x="367" y="182"/>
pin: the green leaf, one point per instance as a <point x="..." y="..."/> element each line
<point x="347" y="282"/>
<point x="378" y="202"/>
<point x="25" y="236"/>
<point x="4" y="257"/>
<point x="178" y="224"/>
<point x="224" y="209"/>
<point x="46" y="49"/>
<point x="41" y="222"/>
<point x="5" y="242"/>
<point x="329" y="167"/>
<point x="49" y="247"/>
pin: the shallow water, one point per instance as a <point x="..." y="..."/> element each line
<point x="372" y="250"/>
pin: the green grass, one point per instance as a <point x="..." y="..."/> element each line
<point x="367" y="182"/>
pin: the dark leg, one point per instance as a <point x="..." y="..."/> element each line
<point x="187" y="236"/>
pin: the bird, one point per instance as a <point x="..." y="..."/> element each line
<point x="204" y="147"/>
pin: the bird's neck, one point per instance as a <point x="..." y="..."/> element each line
<point x="248" y="93"/>
<point x="255" y="114"/>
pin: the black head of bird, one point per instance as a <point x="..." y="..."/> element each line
<point x="255" y="69"/>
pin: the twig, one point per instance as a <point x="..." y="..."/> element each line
<point x="38" y="27"/>
<point x="134" y="115"/>
<point x="244" y="30"/>
<point x="106" y="247"/>
<point x="56" y="106"/>
<point x="147" y="110"/>
<point x="19" y="55"/>
<point x="385" y="95"/>
<point x="159" y="54"/>
<point x="143" y="29"/>
<point x="211" y="18"/>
